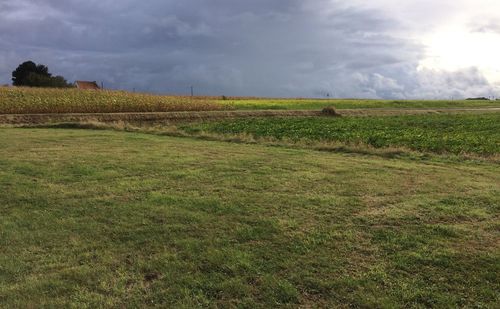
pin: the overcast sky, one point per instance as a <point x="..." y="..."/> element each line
<point x="307" y="48"/>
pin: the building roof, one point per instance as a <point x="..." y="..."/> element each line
<point x="80" y="84"/>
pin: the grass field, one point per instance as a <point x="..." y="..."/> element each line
<point x="15" y="100"/>
<point x="455" y="134"/>
<point x="113" y="219"/>
<point x="294" y="104"/>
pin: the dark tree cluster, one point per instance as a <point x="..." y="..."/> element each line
<point x="478" y="99"/>
<point x="31" y="74"/>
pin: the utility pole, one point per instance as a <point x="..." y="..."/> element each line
<point x="192" y="91"/>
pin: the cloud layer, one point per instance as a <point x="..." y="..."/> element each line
<point x="230" y="47"/>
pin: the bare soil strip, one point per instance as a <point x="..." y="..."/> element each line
<point x="209" y="115"/>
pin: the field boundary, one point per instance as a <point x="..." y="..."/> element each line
<point x="149" y="117"/>
<point x="208" y="115"/>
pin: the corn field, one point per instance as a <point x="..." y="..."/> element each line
<point x="22" y="100"/>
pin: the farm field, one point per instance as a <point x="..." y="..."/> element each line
<point x="447" y="133"/>
<point x="94" y="218"/>
<point x="250" y="154"/>
<point x="395" y="211"/>
<point x="19" y="100"/>
<point x="22" y="100"/>
<point x="300" y="104"/>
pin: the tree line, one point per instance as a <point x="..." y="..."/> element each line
<point x="30" y="74"/>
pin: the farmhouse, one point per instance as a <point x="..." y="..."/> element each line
<point x="86" y="85"/>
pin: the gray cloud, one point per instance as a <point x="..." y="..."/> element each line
<point x="485" y="26"/>
<point x="232" y="47"/>
<point x="468" y="82"/>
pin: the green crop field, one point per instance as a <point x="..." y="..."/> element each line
<point x="455" y="134"/>
<point x="296" y="104"/>
<point x="93" y="218"/>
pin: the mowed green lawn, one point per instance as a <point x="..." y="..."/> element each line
<point x="114" y="219"/>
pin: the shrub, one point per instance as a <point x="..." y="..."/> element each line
<point x="329" y="111"/>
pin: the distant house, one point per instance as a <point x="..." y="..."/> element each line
<point x="85" y="85"/>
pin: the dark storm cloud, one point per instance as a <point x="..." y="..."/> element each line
<point x="258" y="47"/>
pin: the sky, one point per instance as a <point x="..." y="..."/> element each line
<point x="390" y="49"/>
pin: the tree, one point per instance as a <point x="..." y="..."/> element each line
<point x="36" y="75"/>
<point x="37" y="80"/>
<point x="20" y="75"/>
<point x="60" y="82"/>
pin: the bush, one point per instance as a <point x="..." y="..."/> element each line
<point x="329" y="111"/>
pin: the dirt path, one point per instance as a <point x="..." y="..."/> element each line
<point x="196" y="116"/>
